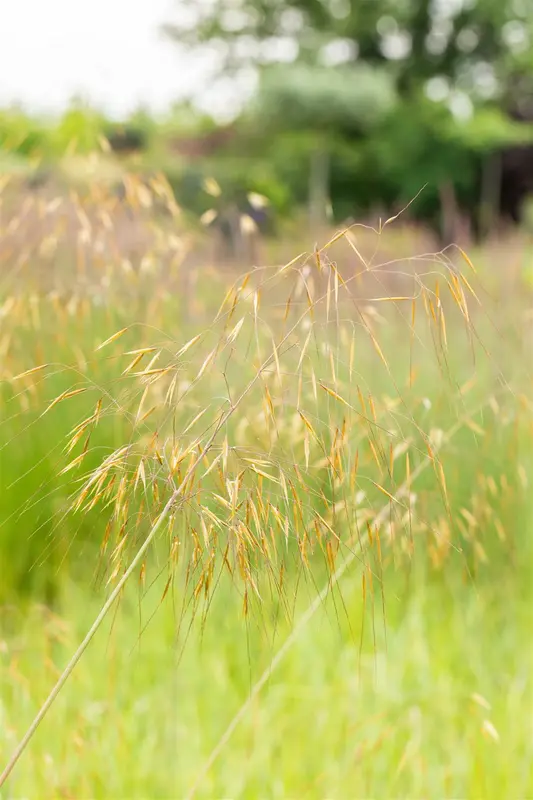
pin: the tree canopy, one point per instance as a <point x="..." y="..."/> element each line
<point x="399" y="94"/>
<point x="479" y="46"/>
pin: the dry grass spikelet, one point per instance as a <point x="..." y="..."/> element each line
<point x="284" y="437"/>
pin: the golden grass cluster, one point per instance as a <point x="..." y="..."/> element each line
<point x="282" y="437"/>
<point x="261" y="438"/>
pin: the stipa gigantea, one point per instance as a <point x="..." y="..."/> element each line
<point x="253" y="501"/>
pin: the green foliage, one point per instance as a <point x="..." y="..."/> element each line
<point x="417" y="148"/>
<point x="349" y="100"/>
<point x="489" y="130"/>
<point x="357" y="87"/>
<point x="237" y="177"/>
<point x="185" y="120"/>
<point x="79" y="130"/>
<point x="418" y="38"/>
<point x="404" y="715"/>
<point x="21" y="135"/>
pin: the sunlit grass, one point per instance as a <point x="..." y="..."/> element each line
<point x="324" y="430"/>
<point x="435" y="702"/>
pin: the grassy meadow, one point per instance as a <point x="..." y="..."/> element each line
<point x="332" y="459"/>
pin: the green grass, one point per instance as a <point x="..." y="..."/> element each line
<point x="411" y="680"/>
<point x="363" y="705"/>
<point x="394" y="718"/>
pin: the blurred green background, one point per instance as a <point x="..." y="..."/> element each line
<point x="392" y="352"/>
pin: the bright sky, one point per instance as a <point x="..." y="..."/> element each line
<point x="109" y="51"/>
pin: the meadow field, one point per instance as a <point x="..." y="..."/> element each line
<point x="309" y="485"/>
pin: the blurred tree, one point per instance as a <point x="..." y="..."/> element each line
<point x="323" y="108"/>
<point x="79" y="130"/>
<point x="21" y="134"/>
<point x="134" y="135"/>
<point x="456" y="161"/>
<point x="381" y="97"/>
<point x="477" y="45"/>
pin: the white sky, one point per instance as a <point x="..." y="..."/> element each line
<point x="109" y="51"/>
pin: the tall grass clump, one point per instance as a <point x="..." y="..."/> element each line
<point x="339" y="432"/>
